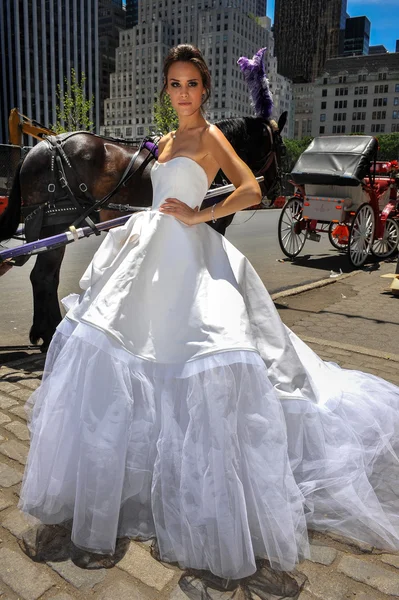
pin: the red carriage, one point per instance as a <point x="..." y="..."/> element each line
<point x="342" y="190"/>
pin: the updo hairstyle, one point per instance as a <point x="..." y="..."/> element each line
<point x="187" y="53"/>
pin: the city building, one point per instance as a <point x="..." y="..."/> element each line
<point x="280" y="86"/>
<point x="132" y="13"/>
<point x="111" y="20"/>
<point x="303" y="100"/>
<point x="379" y="49"/>
<point x="307" y="34"/>
<point x="261" y="7"/>
<point x="357" y="94"/>
<point x="40" y="42"/>
<point x="357" y="36"/>
<point x="223" y="29"/>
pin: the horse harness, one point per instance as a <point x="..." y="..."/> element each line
<point x="63" y="201"/>
<point x="270" y="157"/>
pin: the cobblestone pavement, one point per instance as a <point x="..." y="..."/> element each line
<point x="338" y="569"/>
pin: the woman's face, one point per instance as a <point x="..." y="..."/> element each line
<point x="185" y="88"/>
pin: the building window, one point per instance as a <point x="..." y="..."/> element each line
<point x="394" y="128"/>
<point x="321" y="129"/>
<point x="324" y="93"/>
<point x="323" y="105"/>
<point x="396" y="101"/>
<point x="382" y="76"/>
<point x="396" y="87"/>
<point x="378" y="128"/>
<point x="322" y="117"/>
<point x="325" y="81"/>
<point x="382" y="89"/>
<point x="357" y="128"/>
<point x="395" y="114"/>
<point x="380" y="101"/>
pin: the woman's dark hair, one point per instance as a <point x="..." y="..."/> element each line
<point x="187" y="53"/>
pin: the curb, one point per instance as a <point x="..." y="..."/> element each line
<point x="312" y="286"/>
<point x="350" y="348"/>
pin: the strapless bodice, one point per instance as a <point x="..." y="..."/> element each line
<point x="181" y="178"/>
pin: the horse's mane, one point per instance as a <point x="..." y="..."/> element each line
<point x="236" y="129"/>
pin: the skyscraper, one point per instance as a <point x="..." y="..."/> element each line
<point x="357" y="36"/>
<point x="307" y="33"/>
<point x="132" y="13"/>
<point x="223" y="29"/>
<point x="112" y="20"/>
<point x="261" y="6"/>
<point x="40" y="42"/>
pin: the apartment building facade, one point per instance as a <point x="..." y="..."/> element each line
<point x="223" y="30"/>
<point x="358" y="94"/>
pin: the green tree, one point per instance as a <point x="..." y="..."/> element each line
<point x="388" y="146"/>
<point x="294" y="151"/>
<point x="165" y="116"/>
<point x="73" y="109"/>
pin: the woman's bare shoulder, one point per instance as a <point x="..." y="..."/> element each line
<point x="163" y="141"/>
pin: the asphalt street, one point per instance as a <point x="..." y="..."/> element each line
<point x="254" y="233"/>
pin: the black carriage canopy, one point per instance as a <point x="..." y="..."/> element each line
<point x="336" y="160"/>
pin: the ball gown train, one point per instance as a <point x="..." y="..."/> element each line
<point x="176" y="404"/>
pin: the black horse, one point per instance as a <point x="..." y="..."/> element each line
<point x="51" y="198"/>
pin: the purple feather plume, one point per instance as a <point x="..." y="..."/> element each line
<point x="258" y="84"/>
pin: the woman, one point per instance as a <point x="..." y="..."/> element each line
<point x="175" y="403"/>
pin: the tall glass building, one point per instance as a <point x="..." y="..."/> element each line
<point x="132" y="13"/>
<point x="261" y="6"/>
<point x="357" y="36"/>
<point x="40" y="42"/>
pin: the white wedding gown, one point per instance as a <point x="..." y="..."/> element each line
<point x="176" y="404"/>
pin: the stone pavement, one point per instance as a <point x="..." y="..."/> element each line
<point x="352" y="322"/>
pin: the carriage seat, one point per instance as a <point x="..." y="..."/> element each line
<point x="357" y="194"/>
<point x="382" y="184"/>
<point x="332" y="202"/>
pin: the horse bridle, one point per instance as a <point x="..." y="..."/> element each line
<point x="65" y="168"/>
<point x="269" y="158"/>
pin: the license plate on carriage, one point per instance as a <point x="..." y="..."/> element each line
<point x="322" y="208"/>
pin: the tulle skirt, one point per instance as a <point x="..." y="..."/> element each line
<point x="206" y="457"/>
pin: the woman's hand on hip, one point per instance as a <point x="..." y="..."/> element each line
<point x="180" y="210"/>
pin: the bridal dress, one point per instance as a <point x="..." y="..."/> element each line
<point x="176" y="405"/>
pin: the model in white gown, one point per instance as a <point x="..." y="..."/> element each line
<point x="175" y="404"/>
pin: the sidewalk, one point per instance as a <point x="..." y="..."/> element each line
<point x="351" y="322"/>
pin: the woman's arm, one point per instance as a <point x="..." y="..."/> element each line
<point x="247" y="192"/>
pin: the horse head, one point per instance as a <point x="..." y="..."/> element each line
<point x="259" y="144"/>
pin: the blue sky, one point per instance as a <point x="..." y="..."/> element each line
<point x="383" y="14"/>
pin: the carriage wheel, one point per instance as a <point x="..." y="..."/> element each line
<point x="361" y="235"/>
<point x="291" y="236"/>
<point x="388" y="244"/>
<point x="338" y="234"/>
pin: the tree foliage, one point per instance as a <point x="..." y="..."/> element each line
<point x="388" y="146"/>
<point x="165" y="116"/>
<point x="294" y="151"/>
<point x="73" y="109"/>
